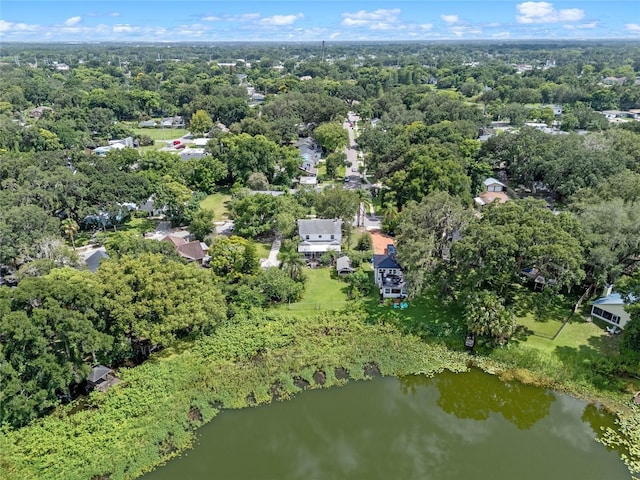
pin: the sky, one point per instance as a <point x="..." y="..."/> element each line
<point x="314" y="20"/>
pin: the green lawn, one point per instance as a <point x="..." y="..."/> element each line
<point x="218" y="203"/>
<point x="138" y="225"/>
<point x="322" y="293"/>
<point x="161" y="134"/>
<point x="427" y="316"/>
<point x="543" y="315"/>
<point x="262" y="249"/>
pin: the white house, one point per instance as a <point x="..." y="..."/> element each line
<point x="318" y="236"/>
<point x="192" y="153"/>
<point x="388" y="275"/>
<point x="494" y="190"/>
<point x="610" y="308"/>
<point x="309" y="181"/>
<point x="493" y="185"/>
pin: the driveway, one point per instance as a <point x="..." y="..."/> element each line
<point x="272" y="260"/>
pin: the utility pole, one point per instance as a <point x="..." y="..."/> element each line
<point x="322" y="51"/>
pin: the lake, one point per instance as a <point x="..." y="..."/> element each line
<point x="451" y="426"/>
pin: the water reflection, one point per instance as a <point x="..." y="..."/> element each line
<point x="475" y="396"/>
<point x="449" y="427"/>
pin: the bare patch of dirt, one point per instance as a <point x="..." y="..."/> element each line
<point x="320" y="377"/>
<point x="300" y="382"/>
<point x="380" y="241"/>
<point x="372" y="370"/>
<point x="195" y="415"/>
<point x="342" y="373"/>
<point x="277" y="390"/>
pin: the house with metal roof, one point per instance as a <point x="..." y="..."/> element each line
<point x="318" y="236"/>
<point x="610" y="308"/>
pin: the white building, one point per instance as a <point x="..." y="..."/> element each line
<point x="610" y="308"/>
<point x="319" y="236"/>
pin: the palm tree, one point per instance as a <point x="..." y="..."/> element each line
<point x="70" y="227"/>
<point x="291" y="260"/>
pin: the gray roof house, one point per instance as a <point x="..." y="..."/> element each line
<point x="93" y="260"/>
<point x="147" y="124"/>
<point x="318" y="236"/>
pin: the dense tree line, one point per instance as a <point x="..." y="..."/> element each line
<point x="431" y="101"/>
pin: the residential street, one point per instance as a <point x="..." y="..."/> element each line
<point x="354" y="162"/>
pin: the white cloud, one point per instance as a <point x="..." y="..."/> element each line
<point x="461" y="30"/>
<point x="545" y="12"/>
<point x="582" y="26"/>
<point x="17" y="27"/>
<point x="501" y="35"/>
<point x="279" y="20"/>
<point x="334" y="35"/>
<point x="211" y="18"/>
<point x="426" y="26"/>
<point x="363" y="18"/>
<point x="123" y="28"/>
<point x="113" y="14"/>
<point x="632" y="27"/>
<point x="450" y="19"/>
<point x="72" y="21"/>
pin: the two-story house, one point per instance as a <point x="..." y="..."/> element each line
<point x="388" y="274"/>
<point x="318" y="236"/>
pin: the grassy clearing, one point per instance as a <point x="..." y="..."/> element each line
<point x="218" y="203"/>
<point x="162" y="134"/>
<point x="138" y="225"/>
<point x="262" y="249"/>
<point x="544" y="316"/>
<point x="427" y="316"/>
<point x="322" y="293"/>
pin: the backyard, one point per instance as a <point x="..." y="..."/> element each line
<point x="161" y="133"/>
<point x="322" y="293"/>
<point x="218" y="203"/>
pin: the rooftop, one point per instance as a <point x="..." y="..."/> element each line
<point x="613" y="298"/>
<point x="319" y="226"/>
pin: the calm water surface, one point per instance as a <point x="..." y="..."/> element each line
<point x="452" y="426"/>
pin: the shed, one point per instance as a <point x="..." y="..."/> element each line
<point x="101" y="378"/>
<point x="343" y="266"/>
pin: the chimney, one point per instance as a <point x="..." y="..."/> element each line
<point x="608" y="288"/>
